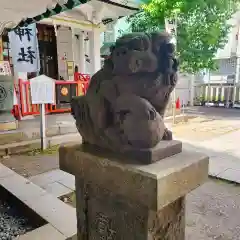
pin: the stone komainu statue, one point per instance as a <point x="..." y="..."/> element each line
<point x="124" y="106"/>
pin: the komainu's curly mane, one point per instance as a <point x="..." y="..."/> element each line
<point x="126" y="100"/>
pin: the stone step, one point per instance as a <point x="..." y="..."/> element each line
<point x="8" y="137"/>
<point x="60" y="217"/>
<point x="26" y="146"/>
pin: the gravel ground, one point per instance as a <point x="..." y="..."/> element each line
<point x="213" y="212"/>
<point x="12" y="224"/>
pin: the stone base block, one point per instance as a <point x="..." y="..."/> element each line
<point x="162" y="150"/>
<point x="125" y="200"/>
<point x="104" y="215"/>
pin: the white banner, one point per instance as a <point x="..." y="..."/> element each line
<point x="24" y="49"/>
<point x="171" y="28"/>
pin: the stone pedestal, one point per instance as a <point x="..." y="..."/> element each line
<point x="125" y="200"/>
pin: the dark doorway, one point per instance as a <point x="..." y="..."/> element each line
<point x="47" y="51"/>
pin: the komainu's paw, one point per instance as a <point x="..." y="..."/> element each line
<point x="167" y="135"/>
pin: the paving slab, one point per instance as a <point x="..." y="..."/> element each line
<point x="68" y="181"/>
<point x="215" y="168"/>
<point x="224" y="153"/>
<point x="21" y="187"/>
<point x="56" y="182"/>
<point x="44" y="232"/>
<point x="206" y="130"/>
<point x="221" y="163"/>
<point x="58" y="214"/>
<point x="46" y="178"/>
<point x="28" y="166"/>
<point x="57" y="189"/>
<point x="230" y="174"/>
<point x="5" y="172"/>
<point x="213" y="212"/>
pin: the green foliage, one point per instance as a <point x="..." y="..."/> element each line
<point x="201" y="27"/>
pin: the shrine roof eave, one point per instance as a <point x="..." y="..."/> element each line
<point x="82" y="16"/>
<point x="16" y="13"/>
<point x="63" y="6"/>
<point x="110" y="10"/>
<point x="73" y="23"/>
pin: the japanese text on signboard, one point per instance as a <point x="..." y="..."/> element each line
<point x="24" y="49"/>
<point x="26" y="55"/>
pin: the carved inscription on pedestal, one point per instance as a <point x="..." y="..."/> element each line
<point x="104" y="228"/>
<point x="112" y="217"/>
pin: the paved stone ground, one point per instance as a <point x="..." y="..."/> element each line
<point x="56" y="182"/>
<point x="47" y="206"/>
<point x="213" y="212"/>
<point x="214" y="112"/>
<point x="218" y="138"/>
<point x="43" y="170"/>
<point x="28" y="166"/>
<point x="28" y="130"/>
<point x="224" y="155"/>
<point x="51" y="120"/>
<point x="201" y="129"/>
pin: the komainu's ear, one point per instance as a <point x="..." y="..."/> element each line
<point x="170" y="48"/>
<point x="175" y="65"/>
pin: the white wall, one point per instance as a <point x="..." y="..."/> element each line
<point x="231" y="47"/>
<point x="114" y="30"/>
<point x="64" y="49"/>
<point x="183" y="88"/>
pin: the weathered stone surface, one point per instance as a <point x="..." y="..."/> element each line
<point x="7" y="121"/>
<point x="169" y="223"/>
<point x="146" y="156"/>
<point x="102" y="214"/>
<point x="126" y="100"/>
<point x="48" y="207"/>
<point x="123" y="191"/>
<point x="44" y="232"/>
<point x="153" y="185"/>
<point x="121" y="200"/>
<point x="6" y="94"/>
